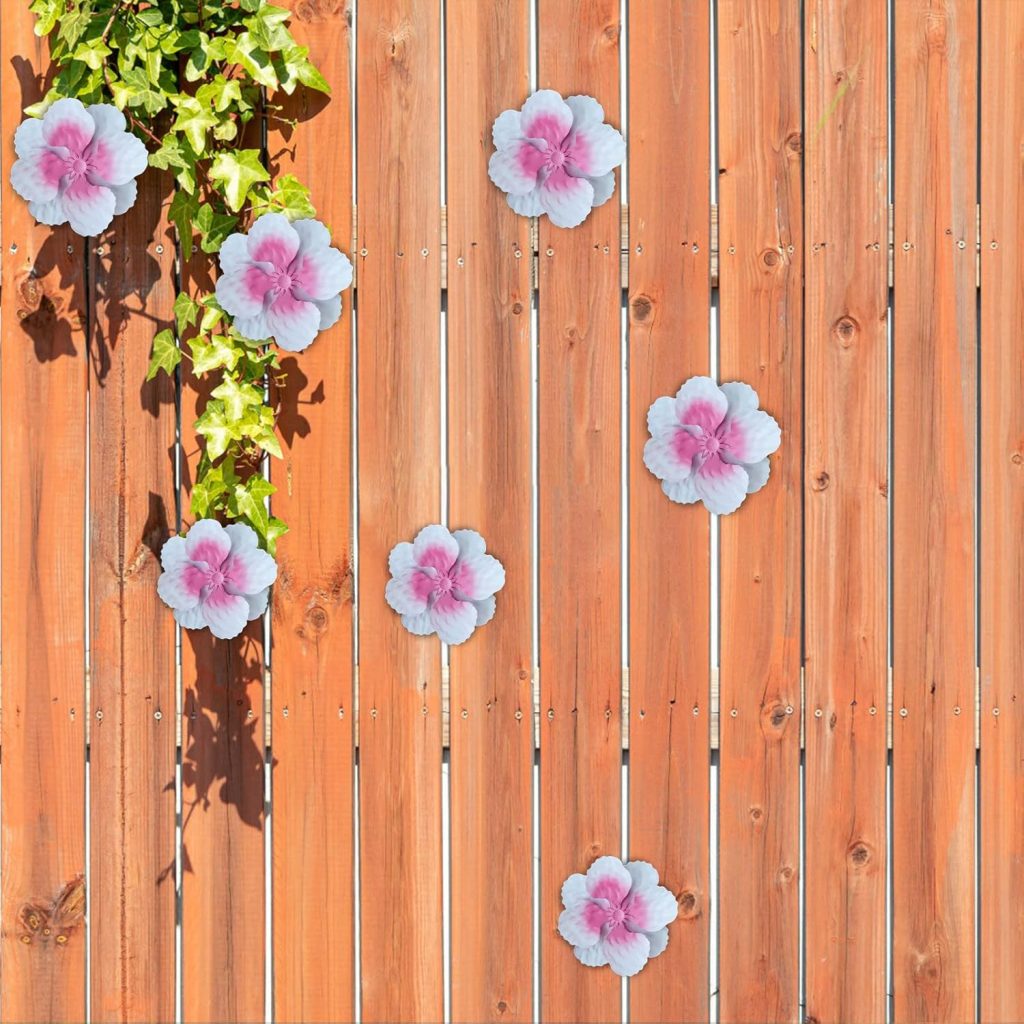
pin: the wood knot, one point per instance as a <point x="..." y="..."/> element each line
<point x="689" y="908"/>
<point x="611" y="32"/>
<point x="756" y="814"/>
<point x="795" y="143"/>
<point x="315" y="10"/>
<point x="845" y="331"/>
<point x="821" y="481"/>
<point x="642" y="307"/>
<point x="316" y="618"/>
<point x="860" y="854"/>
<point x="777" y="716"/>
<point x="771" y="258"/>
<point x="517" y="308"/>
<point x="786" y="873"/>
<point x="1016" y="458"/>
<point x="502" y="1006"/>
<point x="41" y="921"/>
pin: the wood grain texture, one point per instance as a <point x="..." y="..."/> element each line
<point x="1002" y="511"/>
<point x="670" y="651"/>
<point x="934" y="428"/>
<point x="845" y="500"/>
<point x="223" y="936"/>
<point x="760" y="231"/>
<point x="579" y="423"/>
<point x="43" y="364"/>
<point x="489" y="490"/>
<point x="312" y="633"/>
<point x="398" y="147"/>
<point x="132" y="427"/>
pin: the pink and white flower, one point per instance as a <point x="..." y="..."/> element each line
<point x="283" y="280"/>
<point x="617" y="914"/>
<point x="556" y="157"/>
<point x="217" y="577"/>
<point x="77" y="165"/>
<point x="710" y="444"/>
<point x="444" y="583"/>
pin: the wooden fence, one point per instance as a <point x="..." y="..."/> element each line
<point x="841" y="814"/>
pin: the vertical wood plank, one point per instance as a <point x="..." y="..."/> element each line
<point x="1002" y="507"/>
<point x="579" y="523"/>
<point x="934" y="429"/>
<point x="489" y="463"/>
<point x="223" y="938"/>
<point x="669" y="663"/>
<point x="132" y="740"/>
<point x="846" y="494"/>
<point x="312" y="631"/>
<point x="42" y="551"/>
<point x="760" y="232"/>
<point x="398" y="136"/>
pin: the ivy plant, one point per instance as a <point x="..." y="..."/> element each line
<point x="198" y="82"/>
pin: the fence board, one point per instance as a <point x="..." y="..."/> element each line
<point x="580" y="569"/>
<point x="489" y="464"/>
<point x="934" y="430"/>
<point x="312" y="632"/>
<point x="42" y="426"/>
<point x="669" y="669"/>
<point x="398" y="134"/>
<point x="760" y="284"/>
<point x="223" y="937"/>
<point x="846" y="495"/>
<point x="133" y="697"/>
<point x="1002" y="508"/>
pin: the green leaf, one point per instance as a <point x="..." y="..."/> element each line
<point x="237" y="398"/>
<point x="194" y="119"/>
<point x="186" y="311"/>
<point x="217" y="428"/>
<point x="214" y="228"/>
<point x="182" y="212"/>
<point x="236" y="172"/>
<point x="216" y="353"/>
<point x="250" y="498"/>
<point x="275" y="528"/>
<point x="166" y="355"/>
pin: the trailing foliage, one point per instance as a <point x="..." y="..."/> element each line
<point x="198" y="81"/>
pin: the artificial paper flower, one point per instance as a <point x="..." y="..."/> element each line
<point x="710" y="444"/>
<point x="283" y="280"/>
<point x="216" y="576"/>
<point x="77" y="165"/>
<point x="556" y="157"/>
<point x="444" y="583"/>
<point x="617" y="914"/>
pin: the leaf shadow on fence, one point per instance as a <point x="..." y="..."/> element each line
<point x="290" y="385"/>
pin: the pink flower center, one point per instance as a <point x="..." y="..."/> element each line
<point x="617" y="916"/>
<point x="216" y="578"/>
<point x="284" y="281"/>
<point x="712" y="444"/>
<point x="77" y="166"/>
<point x="444" y="584"/>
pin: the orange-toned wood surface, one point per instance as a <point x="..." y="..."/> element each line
<point x="580" y="577"/>
<point x="934" y="433"/>
<point x="43" y="366"/>
<point x="760" y="241"/>
<point x="312" y="624"/>
<point x="670" y="621"/>
<point x="846" y="507"/>
<point x="223" y="877"/>
<point x="399" y="346"/>
<point x="132" y="425"/>
<point x="489" y="490"/>
<point x="1001" y="794"/>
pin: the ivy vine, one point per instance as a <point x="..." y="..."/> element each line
<point x="190" y="76"/>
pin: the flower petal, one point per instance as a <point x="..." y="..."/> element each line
<point x="435" y="548"/>
<point x="683" y="492"/>
<point x="173" y="552"/>
<point x="116" y="158"/>
<point x="595" y="150"/>
<point x="409" y="592"/>
<point x="585" y="111"/>
<point x="700" y="403"/>
<point x="658" y="941"/>
<point x="255" y="328"/>
<point x="608" y="879"/>
<point x="294" y="324"/>
<point x="51" y="213"/>
<point x="226" y="614"/>
<point x="627" y="951"/>
<point x="546" y="116"/>
<point x="28" y="136"/>
<point x="320" y="270"/>
<point x="507" y="128"/>
<point x="330" y="311"/>
<point x="741" y="397"/>
<point x="668" y="457"/>
<point x="604" y="188"/>
<point x="258" y="603"/>
<point x="580" y="924"/>
<point x="661" y="416"/>
<point x="180" y="585"/>
<point x="67" y="123"/>
<point x="514" y="169"/>
<point x="272" y="239"/>
<point x="750" y="437"/>
<point x="592" y="956"/>
<point x="470" y="543"/>
<point x="234" y="254"/>
<point x="108" y="120"/>
<point x="644" y="876"/>
<point x="90" y="208"/>
<point x="419" y="625"/>
<point x="758" y="474"/>
<point x="722" y="486"/>
<point x="566" y="200"/>
<point x="651" y="906"/>
<point x="190" y="618"/>
<point x="485" y="610"/>
<point x="401" y="558"/>
<point x="453" y="619"/>
<point x="478" y="576"/>
<point x="574" y="889"/>
<point x="249" y="570"/>
<point x="528" y="205"/>
<point x="124" y="196"/>
<point x="208" y="542"/>
<point x="36" y="176"/>
<point x="244" y="293"/>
